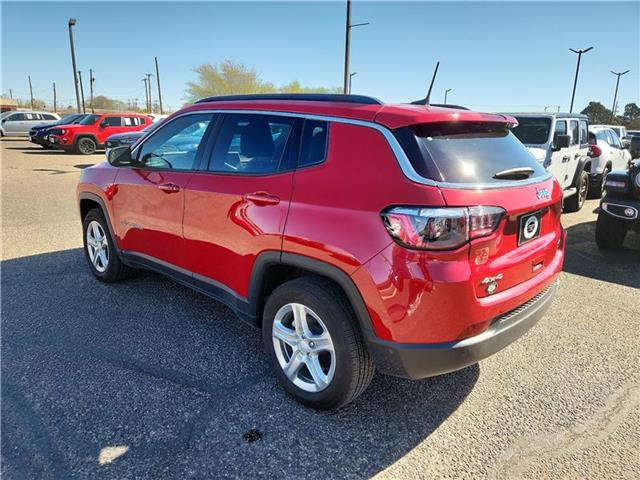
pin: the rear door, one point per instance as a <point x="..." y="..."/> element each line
<point x="149" y="199"/>
<point x="617" y="152"/>
<point x="237" y="208"/>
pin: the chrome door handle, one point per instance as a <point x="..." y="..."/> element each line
<point x="262" y="198"/>
<point x="169" y="188"/>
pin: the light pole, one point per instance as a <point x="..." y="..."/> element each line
<point x="159" y="91"/>
<point x="55" y="99"/>
<point x="72" y="22"/>
<point x="446" y="92"/>
<point x="615" y="95"/>
<point x="81" y="90"/>
<point x="347" y="46"/>
<point x="149" y="86"/>
<point x="575" y="81"/>
<point x="31" y="92"/>
<point x="146" y="93"/>
<point x="351" y="75"/>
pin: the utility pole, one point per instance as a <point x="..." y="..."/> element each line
<point x="11" y="94"/>
<point x="55" y="99"/>
<point x="81" y="91"/>
<point x="615" y="95"/>
<point x="92" y="79"/>
<point x="72" y="22"/>
<point x="446" y="92"/>
<point x="159" y="91"/>
<point x="575" y="81"/>
<point x="31" y="92"/>
<point x="347" y="46"/>
<point x="149" y="85"/>
<point x="351" y="75"/>
<point x="146" y="93"/>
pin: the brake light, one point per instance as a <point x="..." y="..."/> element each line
<point x="440" y="228"/>
<point x="594" y="151"/>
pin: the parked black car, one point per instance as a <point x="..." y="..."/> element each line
<point x="620" y="207"/>
<point x="128" y="138"/>
<point x="38" y="134"/>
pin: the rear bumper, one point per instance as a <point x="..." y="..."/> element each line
<point x="416" y="361"/>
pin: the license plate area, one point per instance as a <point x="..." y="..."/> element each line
<point x="529" y="226"/>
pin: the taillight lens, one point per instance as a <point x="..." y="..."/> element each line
<point x="440" y="228"/>
<point x="594" y="151"/>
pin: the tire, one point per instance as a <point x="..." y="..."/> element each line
<point x="85" y="146"/>
<point x="610" y="231"/>
<point x="575" y="202"/>
<point x="107" y="268"/>
<point x="596" y="191"/>
<point x="47" y="147"/>
<point x="345" y="373"/>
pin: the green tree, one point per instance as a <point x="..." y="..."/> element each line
<point x="230" y="78"/>
<point x="631" y="116"/>
<point x="597" y="113"/>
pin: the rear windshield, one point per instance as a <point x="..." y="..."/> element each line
<point x="89" y="120"/>
<point x="532" y="131"/>
<point x="466" y="152"/>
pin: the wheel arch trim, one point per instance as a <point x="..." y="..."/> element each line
<point x="103" y="206"/>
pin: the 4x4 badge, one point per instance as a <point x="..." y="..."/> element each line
<point x="542" y="193"/>
<point x="492" y="283"/>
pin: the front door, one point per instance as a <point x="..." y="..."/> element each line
<point x="238" y="207"/>
<point x="560" y="158"/>
<point x="149" y="199"/>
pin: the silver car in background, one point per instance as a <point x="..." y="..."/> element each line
<point x="18" y="124"/>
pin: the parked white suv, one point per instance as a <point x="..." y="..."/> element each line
<point x="620" y="130"/>
<point x="560" y="142"/>
<point x="18" y="124"/>
<point x="607" y="153"/>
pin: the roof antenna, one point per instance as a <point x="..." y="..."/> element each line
<point x="433" y="79"/>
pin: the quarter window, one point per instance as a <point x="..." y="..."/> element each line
<point x="251" y="144"/>
<point x="176" y="145"/>
<point x="314" y="143"/>
<point x="48" y="116"/>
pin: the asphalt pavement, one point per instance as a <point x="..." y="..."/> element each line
<point x="147" y="379"/>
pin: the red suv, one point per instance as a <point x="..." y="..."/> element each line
<point x="357" y="235"/>
<point x="91" y="133"/>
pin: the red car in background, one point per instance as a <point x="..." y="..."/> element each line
<point x="359" y="236"/>
<point x="91" y="133"/>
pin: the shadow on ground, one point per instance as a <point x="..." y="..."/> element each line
<point x="175" y="378"/>
<point x="584" y="258"/>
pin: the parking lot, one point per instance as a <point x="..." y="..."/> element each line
<point x="182" y="386"/>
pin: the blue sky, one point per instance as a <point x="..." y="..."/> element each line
<point x="496" y="56"/>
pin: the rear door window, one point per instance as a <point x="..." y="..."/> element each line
<point x="466" y="152"/>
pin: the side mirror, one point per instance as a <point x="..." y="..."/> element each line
<point x="120" y="156"/>
<point x="561" y="141"/>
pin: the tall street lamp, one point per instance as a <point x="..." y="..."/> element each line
<point x="446" y="92"/>
<point x="347" y="46"/>
<point x="575" y="81"/>
<point x="615" y="95"/>
<point x="72" y="22"/>
<point x="351" y="75"/>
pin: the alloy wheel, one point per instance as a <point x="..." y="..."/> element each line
<point x="86" y="146"/>
<point x="97" y="246"/>
<point x="303" y="347"/>
<point x="584" y="188"/>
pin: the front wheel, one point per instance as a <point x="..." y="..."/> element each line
<point x="86" y="146"/>
<point x="610" y="231"/>
<point x="314" y="345"/>
<point x="575" y="202"/>
<point x="99" y="249"/>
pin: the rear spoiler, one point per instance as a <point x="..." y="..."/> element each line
<point x="441" y="105"/>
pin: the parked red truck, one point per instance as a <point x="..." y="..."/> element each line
<point x="91" y="133"/>
<point x="359" y="236"/>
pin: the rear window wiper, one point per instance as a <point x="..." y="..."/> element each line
<point x="518" y="173"/>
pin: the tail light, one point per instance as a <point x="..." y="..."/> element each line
<point x="440" y="228"/>
<point x="594" y="151"/>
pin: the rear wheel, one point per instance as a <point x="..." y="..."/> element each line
<point x="86" y="146"/>
<point x="314" y="345"/>
<point x="610" y="231"/>
<point x="99" y="249"/>
<point x="576" y="201"/>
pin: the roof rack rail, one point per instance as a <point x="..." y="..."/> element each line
<point x="307" y="97"/>
<point x="423" y="101"/>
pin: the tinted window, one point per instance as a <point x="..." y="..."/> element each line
<point x="314" y="143"/>
<point x="89" y="120"/>
<point x="251" y="144"/>
<point x="584" y="132"/>
<point x="575" y="133"/>
<point x="17" y="117"/>
<point x="533" y="131"/>
<point x="176" y="144"/>
<point x="48" y="116"/>
<point x="468" y="152"/>
<point x="112" y="121"/>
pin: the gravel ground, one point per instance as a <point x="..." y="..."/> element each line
<point x="147" y="379"/>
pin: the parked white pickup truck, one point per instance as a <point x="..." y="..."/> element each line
<point x="560" y="142"/>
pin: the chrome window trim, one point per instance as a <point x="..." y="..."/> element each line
<point x="401" y="157"/>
